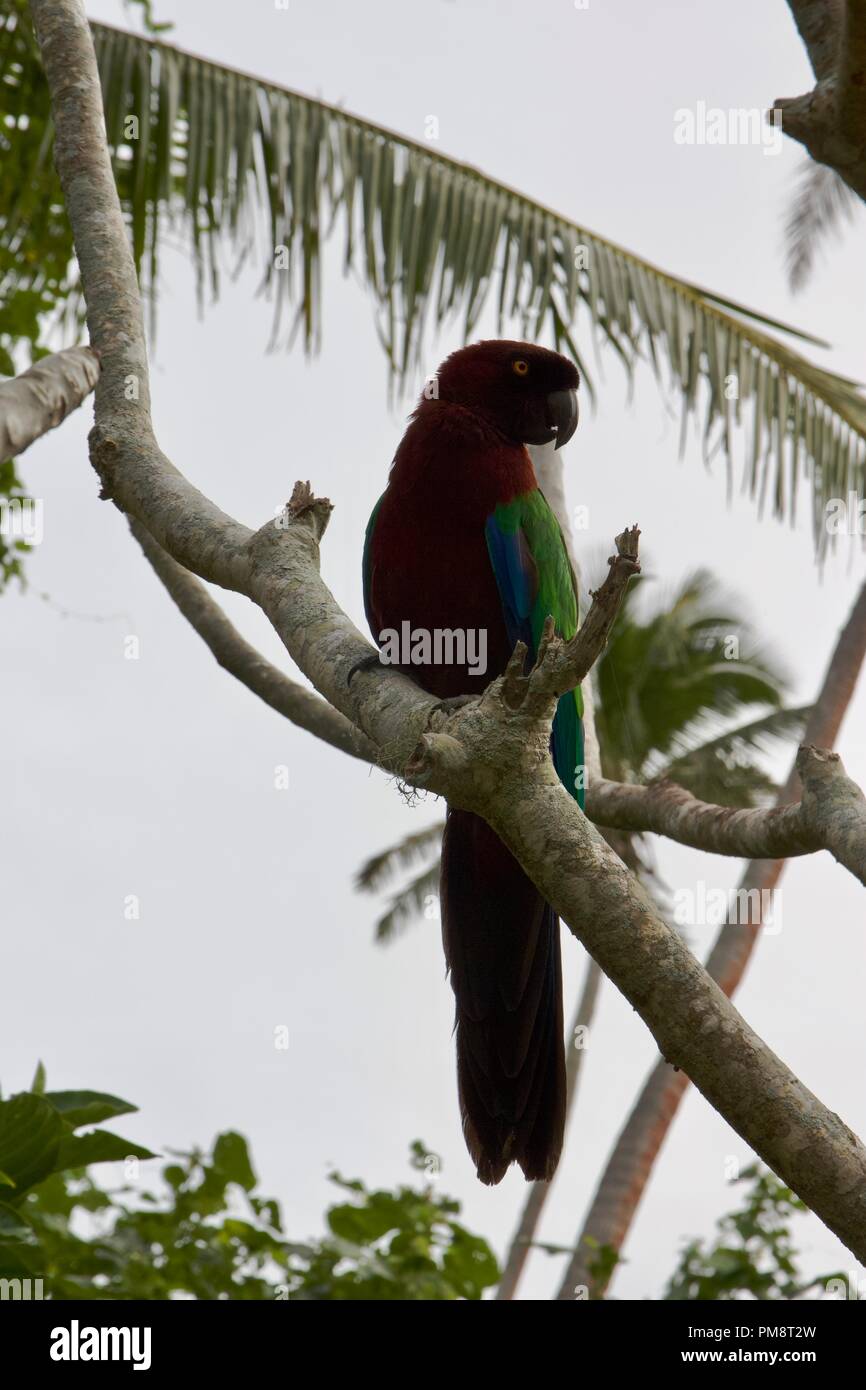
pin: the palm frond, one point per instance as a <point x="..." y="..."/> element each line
<point x="239" y="163"/>
<point x="724" y="769"/>
<point x="818" y="205"/>
<point x="381" y="868"/>
<point x="409" y="904"/>
<point x="687" y="663"/>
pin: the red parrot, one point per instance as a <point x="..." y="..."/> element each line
<point x="463" y="557"/>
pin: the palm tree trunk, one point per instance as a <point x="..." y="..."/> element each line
<point x="628" y="1169"/>
<point x="527" y="1226"/>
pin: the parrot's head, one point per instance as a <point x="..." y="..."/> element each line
<point x="527" y="392"/>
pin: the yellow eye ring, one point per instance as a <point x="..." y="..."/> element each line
<point x="520" y="366"/>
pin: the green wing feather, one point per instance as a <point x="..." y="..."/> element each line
<point x="535" y="580"/>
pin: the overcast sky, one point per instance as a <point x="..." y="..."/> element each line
<point x="156" y="777"/>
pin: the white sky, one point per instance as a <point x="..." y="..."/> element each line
<point x="156" y="777"/>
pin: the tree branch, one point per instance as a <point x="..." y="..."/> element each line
<point x="41" y="398"/>
<point x="627" y="1172"/>
<point x="830" y="121"/>
<point x="241" y="660"/>
<point x="831" y="816"/>
<point x="818" y="22"/>
<point x="490" y="757"/>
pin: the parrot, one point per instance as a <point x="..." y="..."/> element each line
<point x="462" y="540"/>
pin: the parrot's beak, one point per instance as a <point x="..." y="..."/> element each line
<point x="562" y="415"/>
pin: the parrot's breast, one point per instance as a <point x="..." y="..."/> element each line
<point x="432" y="597"/>
<point x="432" y="586"/>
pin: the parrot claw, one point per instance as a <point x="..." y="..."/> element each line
<point x="367" y="663"/>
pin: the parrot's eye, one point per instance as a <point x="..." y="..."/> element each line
<point x="520" y="366"/>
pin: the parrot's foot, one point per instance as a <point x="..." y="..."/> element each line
<point x="367" y="663"/>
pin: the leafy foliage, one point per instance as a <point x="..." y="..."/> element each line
<point x="12" y="549"/>
<point x="754" y="1254"/>
<point x="238" y="163"/>
<point x="38" y="1145"/>
<point x="37" y="268"/>
<point x="202" y="1230"/>
<point x="406" y="1244"/>
<point x="206" y="1233"/>
<point x="672" y="687"/>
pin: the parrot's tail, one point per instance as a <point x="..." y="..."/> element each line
<point x="502" y="948"/>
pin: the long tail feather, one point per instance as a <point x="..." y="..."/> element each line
<point x="501" y="944"/>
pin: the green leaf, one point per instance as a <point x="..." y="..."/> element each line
<point x="365" y="1224"/>
<point x="231" y="1157"/>
<point x="99" y="1146"/>
<point x="30" y="1136"/>
<point x="470" y="1263"/>
<point x="13" y="1224"/>
<point x="174" y="1175"/>
<point x="88" y="1107"/>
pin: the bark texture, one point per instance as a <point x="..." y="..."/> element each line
<point x="41" y="398"/>
<point x="830" y="121"/>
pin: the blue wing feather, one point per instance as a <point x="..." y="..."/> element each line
<point x="518" y="583"/>
<point x="516" y="579"/>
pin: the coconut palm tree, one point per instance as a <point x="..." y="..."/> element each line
<point x="240" y="168"/>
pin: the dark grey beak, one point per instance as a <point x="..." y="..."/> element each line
<point x="562" y="415"/>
